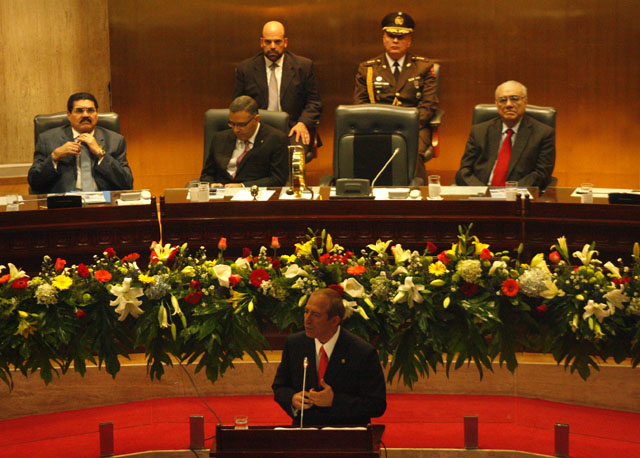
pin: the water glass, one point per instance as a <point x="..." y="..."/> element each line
<point x="242" y="422"/>
<point x="511" y="190"/>
<point x="586" y="193"/>
<point x="434" y="186"/>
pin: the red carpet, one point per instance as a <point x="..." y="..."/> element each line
<point x="412" y="421"/>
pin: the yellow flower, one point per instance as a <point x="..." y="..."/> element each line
<point x="62" y="282"/>
<point x="146" y="279"/>
<point x="479" y="246"/>
<point x="304" y="249"/>
<point x="437" y="269"/>
<point x="26" y="328"/>
<point x="189" y="271"/>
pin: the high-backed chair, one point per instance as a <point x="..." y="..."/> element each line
<point x="44" y="122"/>
<point x="216" y="119"/>
<point x="546" y="115"/>
<point x="366" y="135"/>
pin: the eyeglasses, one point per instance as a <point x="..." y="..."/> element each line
<point x="240" y="124"/>
<point x="512" y="98"/>
<point x="84" y="110"/>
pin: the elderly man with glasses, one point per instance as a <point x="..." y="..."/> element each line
<point x="250" y="153"/>
<point x="511" y="147"/>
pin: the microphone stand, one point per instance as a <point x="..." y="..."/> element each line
<point x="395" y="153"/>
<point x="305" y="364"/>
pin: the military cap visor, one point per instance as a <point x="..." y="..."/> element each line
<point x="398" y="23"/>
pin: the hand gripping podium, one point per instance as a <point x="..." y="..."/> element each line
<point x="291" y="442"/>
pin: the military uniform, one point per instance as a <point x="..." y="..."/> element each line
<point x="416" y="87"/>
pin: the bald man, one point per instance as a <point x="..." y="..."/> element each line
<point x="279" y="80"/>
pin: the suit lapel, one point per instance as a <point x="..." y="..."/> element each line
<point x="524" y="132"/>
<point x="338" y="359"/>
<point x="495" y="139"/>
<point x="229" y="144"/>
<point x="287" y="75"/>
<point x="260" y="70"/>
<point x="255" y="149"/>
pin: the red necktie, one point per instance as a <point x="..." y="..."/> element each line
<point x="247" y="147"/>
<point x="322" y="367"/>
<point x="502" y="165"/>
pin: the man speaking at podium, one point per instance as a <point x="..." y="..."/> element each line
<point x="344" y="381"/>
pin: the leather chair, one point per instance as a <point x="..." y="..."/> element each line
<point x="44" y="122"/>
<point x="216" y="119"/>
<point x="546" y="115"/>
<point x="366" y="135"/>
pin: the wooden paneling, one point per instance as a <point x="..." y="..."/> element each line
<point x="48" y="50"/>
<point x="171" y="61"/>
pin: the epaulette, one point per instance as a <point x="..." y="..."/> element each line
<point x="371" y="62"/>
<point x="424" y="59"/>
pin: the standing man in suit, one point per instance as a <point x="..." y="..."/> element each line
<point x="282" y="81"/>
<point x="250" y="153"/>
<point x="344" y="385"/>
<point x="513" y="147"/>
<point x="81" y="156"/>
<point x="401" y="78"/>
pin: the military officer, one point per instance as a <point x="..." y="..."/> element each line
<point x="400" y="78"/>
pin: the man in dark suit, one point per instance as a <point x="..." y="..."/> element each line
<point x="400" y="78"/>
<point x="250" y="153"/>
<point x="81" y="156"/>
<point x="279" y="80"/>
<point x="513" y="147"/>
<point x="352" y="389"/>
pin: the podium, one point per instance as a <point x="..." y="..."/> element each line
<point x="291" y="442"/>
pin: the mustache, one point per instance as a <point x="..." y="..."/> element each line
<point x="85" y="119"/>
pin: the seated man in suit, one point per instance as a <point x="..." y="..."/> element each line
<point x="400" y="78"/>
<point x="279" y="80"/>
<point x="513" y="147"/>
<point x="250" y="153"/>
<point x="82" y="156"/>
<point x="344" y="385"/>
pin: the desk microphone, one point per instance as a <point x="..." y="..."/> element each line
<point x="395" y="153"/>
<point x="305" y="364"/>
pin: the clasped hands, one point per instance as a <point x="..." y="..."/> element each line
<point x="322" y="398"/>
<point x="73" y="148"/>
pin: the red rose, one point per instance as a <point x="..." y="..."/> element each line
<point x="555" y="257"/>
<point x="102" y="275"/>
<point x="234" y="279"/>
<point x="485" y="254"/>
<point x="246" y="252"/>
<point x="324" y="259"/>
<point x="258" y="276"/>
<point x="541" y="308"/>
<point x="81" y="314"/>
<point x="195" y="284"/>
<point x="510" y="287"/>
<point x="337" y="288"/>
<point x="276" y="264"/>
<point x="222" y="244"/>
<point x="469" y="289"/>
<point x="275" y="243"/>
<point x="5" y="278"/>
<point x="83" y="271"/>
<point x="110" y="252"/>
<point x="131" y="257"/>
<point x="443" y="258"/>
<point x="621" y="281"/>
<point x="20" y="283"/>
<point x="60" y="263"/>
<point x="193" y="298"/>
<point x="431" y="248"/>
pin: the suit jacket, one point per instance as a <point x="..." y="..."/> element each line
<point x="266" y="164"/>
<point x="112" y="173"/>
<point x="299" y="95"/>
<point x="354" y="373"/>
<point x="533" y="154"/>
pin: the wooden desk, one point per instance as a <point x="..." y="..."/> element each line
<point x="74" y="234"/>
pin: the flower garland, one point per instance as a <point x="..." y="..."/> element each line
<point x="422" y="311"/>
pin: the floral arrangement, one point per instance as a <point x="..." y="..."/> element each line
<point x="423" y="311"/>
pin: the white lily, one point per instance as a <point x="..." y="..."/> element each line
<point x="176" y="306"/>
<point x="600" y="311"/>
<point x="399" y="254"/>
<point x="352" y="306"/>
<point x="538" y="262"/>
<point x="294" y="271"/>
<point x="585" y="255"/>
<point x="613" y="269"/>
<point x="352" y="287"/>
<point x="15" y="273"/>
<point x="562" y="246"/>
<point x="222" y="272"/>
<point x="400" y="271"/>
<point x="409" y="292"/>
<point x="380" y="247"/>
<point x="615" y="299"/>
<point x="126" y="301"/>
<point x="552" y="290"/>
<point x="242" y="263"/>
<point x="497" y="265"/>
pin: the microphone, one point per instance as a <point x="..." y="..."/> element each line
<point x="305" y="364"/>
<point x="395" y="153"/>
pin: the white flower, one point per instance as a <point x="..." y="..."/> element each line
<point x="497" y="265"/>
<point x="585" y="255"/>
<point x="294" y="271"/>
<point x="352" y="306"/>
<point x="176" y="306"/>
<point x="352" y="287"/>
<point x="47" y="294"/>
<point x="615" y="298"/>
<point x="409" y="292"/>
<point x="613" y="269"/>
<point x="380" y="247"/>
<point x="400" y="271"/>
<point x="470" y="270"/>
<point x="599" y="310"/>
<point x="533" y="281"/>
<point x="552" y="290"/>
<point x="126" y="301"/>
<point x="222" y="273"/>
<point x="15" y="273"/>
<point x="242" y="263"/>
<point x="399" y="254"/>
